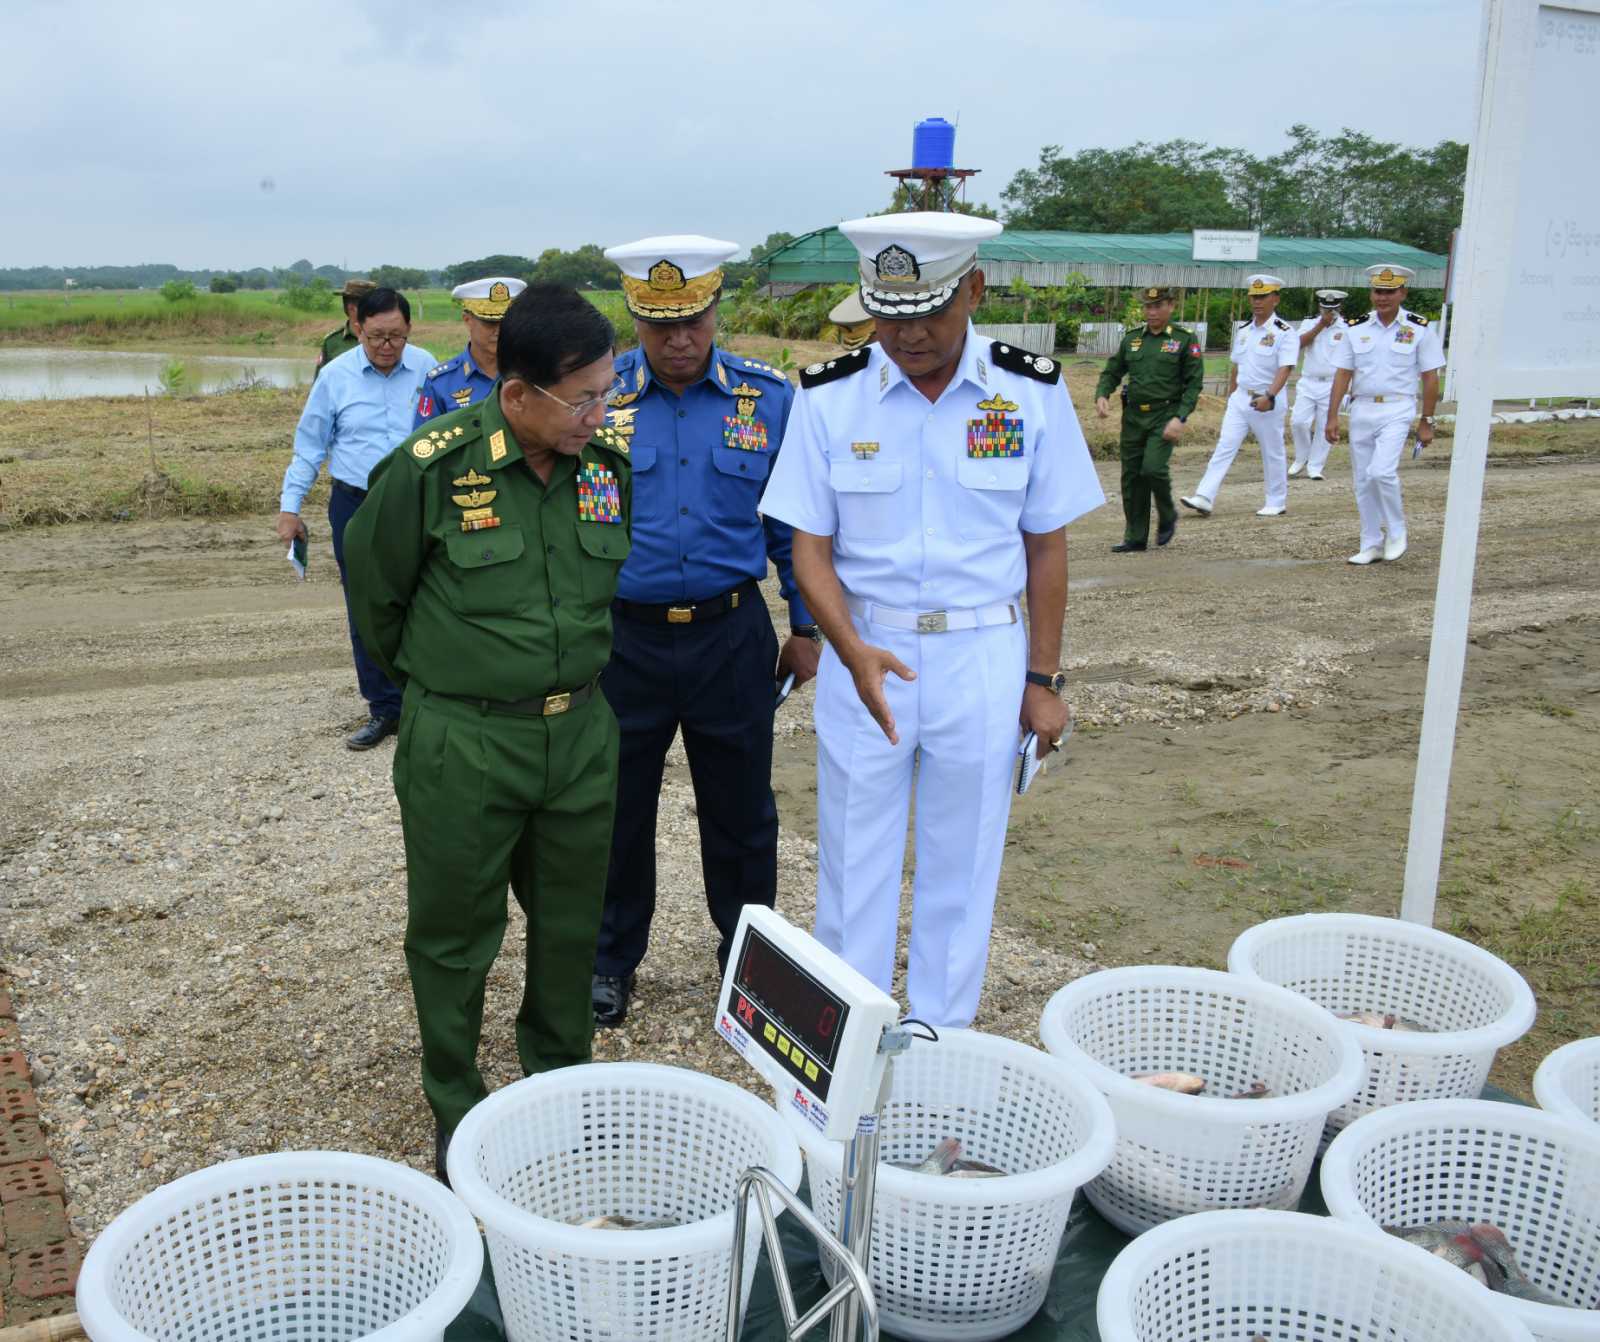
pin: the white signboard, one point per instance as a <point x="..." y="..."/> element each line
<point x="1550" y="335"/>
<point x="1221" y="244"/>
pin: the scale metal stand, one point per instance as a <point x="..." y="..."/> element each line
<point x="825" y="1038"/>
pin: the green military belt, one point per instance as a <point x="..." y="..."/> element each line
<point x="546" y="706"/>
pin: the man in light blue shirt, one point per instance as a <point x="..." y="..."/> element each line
<point x="360" y="406"/>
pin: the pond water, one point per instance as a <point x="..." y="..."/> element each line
<point x="63" y="374"/>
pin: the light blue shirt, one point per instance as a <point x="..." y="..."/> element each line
<point x="927" y="502"/>
<point x="353" y="419"/>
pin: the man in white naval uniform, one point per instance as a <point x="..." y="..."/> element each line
<point x="1318" y="336"/>
<point x="929" y="479"/>
<point x="1263" y="355"/>
<point x="1378" y="363"/>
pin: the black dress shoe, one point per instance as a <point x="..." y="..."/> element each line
<point x="609" y="995"/>
<point x="1128" y="547"/>
<point x="373" y="731"/>
<point x="441" y="1152"/>
<point x="1166" y="533"/>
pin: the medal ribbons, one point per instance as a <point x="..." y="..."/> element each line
<point x="1404" y="336"/>
<point x="1171" y="346"/>
<point x="744" y="432"/>
<point x="598" y="499"/>
<point x="997" y="434"/>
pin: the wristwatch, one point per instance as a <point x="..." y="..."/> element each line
<point x="810" y="631"/>
<point x="1057" y="682"/>
<point x="1270" y="399"/>
<point x="1426" y="419"/>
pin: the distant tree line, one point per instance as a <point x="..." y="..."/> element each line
<point x="1320" y="186"/>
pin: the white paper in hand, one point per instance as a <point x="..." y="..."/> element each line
<point x="1029" y="765"/>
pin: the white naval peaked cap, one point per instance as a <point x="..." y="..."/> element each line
<point x="1390" y="277"/>
<point x="1331" y="298"/>
<point x="488" y="298"/>
<point x="671" y="278"/>
<point x="1263" y="284"/>
<point x="912" y="263"/>
<point x="848" y="310"/>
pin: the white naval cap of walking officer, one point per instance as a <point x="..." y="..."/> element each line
<point x="1310" y="397"/>
<point x="488" y="298"/>
<point x="1258" y="285"/>
<point x="671" y="278"/>
<point x="1389" y="277"/>
<point x="912" y="264"/>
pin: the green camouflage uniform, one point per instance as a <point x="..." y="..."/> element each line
<point x="483" y="590"/>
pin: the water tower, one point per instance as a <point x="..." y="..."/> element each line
<point x="933" y="156"/>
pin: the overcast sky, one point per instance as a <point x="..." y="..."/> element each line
<point x="361" y="131"/>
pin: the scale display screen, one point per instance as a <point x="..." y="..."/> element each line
<point x="787" y="1012"/>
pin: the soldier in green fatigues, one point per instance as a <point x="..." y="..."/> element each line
<point x="481" y="569"/>
<point x="1164" y="366"/>
<point x="343" y="338"/>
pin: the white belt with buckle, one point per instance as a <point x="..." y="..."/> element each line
<point x="1394" y="396"/>
<point x="933" y="621"/>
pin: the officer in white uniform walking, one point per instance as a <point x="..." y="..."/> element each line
<point x="1318" y="336"/>
<point x="929" y="479"/>
<point x="1263" y="355"/>
<point x="1378" y="363"/>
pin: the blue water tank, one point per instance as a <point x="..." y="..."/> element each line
<point x="933" y="143"/>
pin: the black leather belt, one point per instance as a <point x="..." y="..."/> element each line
<point x="546" y="706"/>
<point x="686" y="612"/>
<point x="345" y="487"/>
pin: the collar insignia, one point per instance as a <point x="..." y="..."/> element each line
<point x="883" y="378"/>
<point x="497" y="445"/>
<point x="895" y="265"/>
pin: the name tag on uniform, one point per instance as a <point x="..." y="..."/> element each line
<point x="598" y="499"/>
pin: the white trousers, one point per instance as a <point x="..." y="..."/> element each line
<point x="1308" y="420"/>
<point x="958" y="730"/>
<point x="1267" y="426"/>
<point x="1377" y="434"/>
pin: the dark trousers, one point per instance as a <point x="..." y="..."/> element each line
<point x="1145" y="473"/>
<point x="715" y="681"/>
<point x="381" y="693"/>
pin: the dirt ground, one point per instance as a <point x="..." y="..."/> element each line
<point x="191" y="863"/>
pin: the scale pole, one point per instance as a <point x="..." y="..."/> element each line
<point x="858" y="1191"/>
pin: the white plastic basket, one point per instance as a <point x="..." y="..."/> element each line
<point x="970" y="1258"/>
<point x="1471" y="1002"/>
<point x="1178" y="1154"/>
<point x="540" y="1156"/>
<point x="1568" y="1081"/>
<point x="1534" y="1175"/>
<point x="304" y="1246"/>
<point x="1228" y="1276"/>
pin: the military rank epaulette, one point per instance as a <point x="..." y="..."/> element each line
<point x="1015" y="360"/>
<point x="436" y="444"/>
<point x="1280" y="323"/>
<point x="1415" y="319"/>
<point x="841" y="365"/>
<point x="437" y="369"/>
<point x="607" y="436"/>
<point x="1356" y="321"/>
<point x="759" y="367"/>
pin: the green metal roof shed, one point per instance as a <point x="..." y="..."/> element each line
<point x="1129" y="260"/>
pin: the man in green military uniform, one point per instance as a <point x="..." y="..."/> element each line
<point x="481" y="568"/>
<point x="343" y="338"/>
<point x="1164" y="366"/>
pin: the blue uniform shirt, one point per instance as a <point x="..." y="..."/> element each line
<point x="700" y="462"/>
<point x="352" y="419"/>
<point x="453" y="385"/>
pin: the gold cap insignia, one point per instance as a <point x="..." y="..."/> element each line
<point x="664" y="276"/>
<point x="497" y="445"/>
<point x="498" y="293"/>
<point x="997" y="402"/>
<point x="895" y="265"/>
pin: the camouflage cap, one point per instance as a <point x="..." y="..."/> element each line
<point x="357" y="288"/>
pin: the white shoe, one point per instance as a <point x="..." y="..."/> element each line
<point x="1312" y="475"/>
<point x="1296" y="469"/>
<point x="1271" y="512"/>
<point x="1393" y="549"/>
<point x="1199" y="502"/>
<point x="1369" y="554"/>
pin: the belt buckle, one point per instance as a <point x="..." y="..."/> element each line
<point x="557" y="703"/>
<point x="1378" y="399"/>
<point x="933" y="622"/>
<point x="1145" y="406"/>
<point x="680" y="614"/>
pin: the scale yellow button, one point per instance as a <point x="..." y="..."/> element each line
<point x="783" y="1045"/>
<point x="798" y="1058"/>
<point x="811" y="1070"/>
<point x="770" y="1033"/>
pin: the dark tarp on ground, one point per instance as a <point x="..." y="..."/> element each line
<point x="1067" y="1315"/>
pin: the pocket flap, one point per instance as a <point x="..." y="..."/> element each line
<point x="605" y="540"/>
<point x="480" y="549"/>
<point x="864" y="477"/>
<point x="993" y="472"/>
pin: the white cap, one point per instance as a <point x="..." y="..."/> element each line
<point x="1390" y="277"/>
<point x="1263" y="284"/>
<point x="1331" y="298"/>
<point x="912" y="263"/>
<point x="671" y="278"/>
<point x="488" y="298"/>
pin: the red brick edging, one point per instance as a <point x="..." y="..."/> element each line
<point x="39" y="1256"/>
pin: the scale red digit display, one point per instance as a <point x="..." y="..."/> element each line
<point x="808" y="1013"/>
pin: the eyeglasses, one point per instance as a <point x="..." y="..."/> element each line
<point x="578" y="409"/>
<point x="372" y="338"/>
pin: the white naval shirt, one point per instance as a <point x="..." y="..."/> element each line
<point x="921" y="519"/>
<point x="1319" y="353"/>
<point x="1260" y="351"/>
<point x="1387" y="359"/>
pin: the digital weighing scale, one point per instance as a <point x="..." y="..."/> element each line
<point x="823" y="1036"/>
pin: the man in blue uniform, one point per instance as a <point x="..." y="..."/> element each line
<point x="694" y="648"/>
<point x="465" y="380"/>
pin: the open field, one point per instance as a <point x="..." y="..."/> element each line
<point x="202" y="893"/>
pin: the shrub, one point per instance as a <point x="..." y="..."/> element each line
<point x="176" y="291"/>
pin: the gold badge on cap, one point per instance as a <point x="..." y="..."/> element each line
<point x="665" y="276"/>
<point x="895" y="265"/>
<point x="498" y="293"/>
